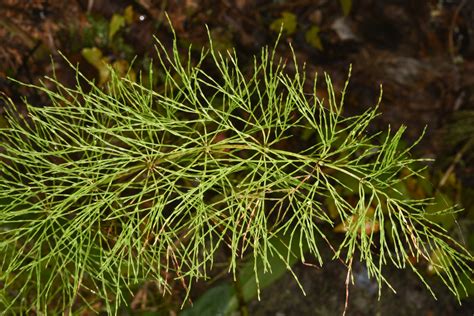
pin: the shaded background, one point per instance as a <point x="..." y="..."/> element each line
<point x="422" y="52"/>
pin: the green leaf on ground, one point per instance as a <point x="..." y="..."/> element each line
<point x="346" y="6"/>
<point x="312" y="37"/>
<point x="222" y="299"/>
<point x="287" y="23"/>
<point x="438" y="211"/>
<point x="95" y="57"/>
<point x="116" y="23"/>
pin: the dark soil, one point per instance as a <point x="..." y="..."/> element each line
<point x="422" y="52"/>
<point x="326" y="295"/>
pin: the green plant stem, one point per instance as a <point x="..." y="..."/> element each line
<point x="243" y="308"/>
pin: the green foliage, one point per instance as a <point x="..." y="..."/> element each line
<point x="222" y="299"/>
<point x="116" y="23"/>
<point x="312" y="37"/>
<point x="108" y="36"/>
<point x="95" y="57"/>
<point x="97" y="33"/>
<point x="107" y="188"/>
<point x="346" y="6"/>
<point x="440" y="211"/>
<point x="286" y="24"/>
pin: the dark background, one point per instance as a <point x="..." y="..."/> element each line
<point x="422" y="52"/>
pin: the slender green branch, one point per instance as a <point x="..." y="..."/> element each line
<point x="106" y="189"/>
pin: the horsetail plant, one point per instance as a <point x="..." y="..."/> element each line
<point x="109" y="187"/>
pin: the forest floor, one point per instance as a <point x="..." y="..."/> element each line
<point x="421" y="52"/>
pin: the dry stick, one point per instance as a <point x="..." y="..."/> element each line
<point x="348" y="278"/>
<point x="456" y="160"/>
<point x="452" y="26"/>
<point x="450" y="170"/>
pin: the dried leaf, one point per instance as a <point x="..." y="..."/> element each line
<point x="370" y="226"/>
<point x="122" y="67"/>
<point x="343" y="29"/>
